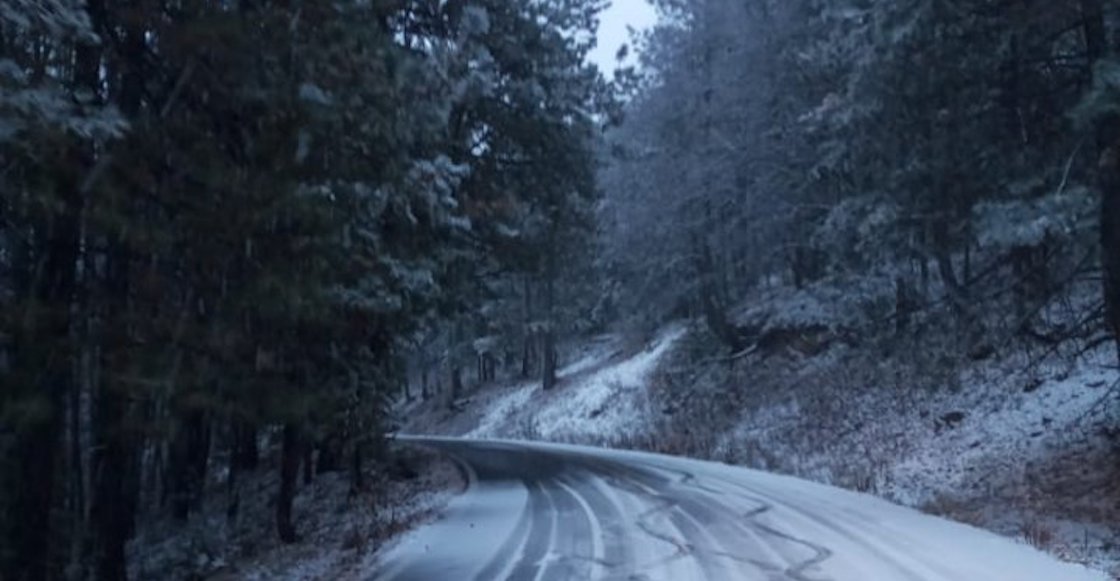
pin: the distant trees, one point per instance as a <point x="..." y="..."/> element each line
<point x="920" y="147"/>
<point x="225" y="223"/>
<point x="528" y="136"/>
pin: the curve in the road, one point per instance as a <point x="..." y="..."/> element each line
<point x="546" y="512"/>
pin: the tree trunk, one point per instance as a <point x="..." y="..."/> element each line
<point x="548" y="340"/>
<point x="548" y="362"/>
<point x="714" y="315"/>
<point x="330" y="455"/>
<point x="43" y="351"/>
<point x="30" y="546"/>
<point x="527" y="356"/>
<point x="233" y="492"/>
<point x="455" y="362"/>
<point x="948" y="274"/>
<point x="1108" y="145"/>
<point x="942" y="254"/>
<point x="131" y="444"/>
<point x="37" y="443"/>
<point x="1096" y="38"/>
<point x="246" y="454"/>
<point x="289" y="468"/>
<point x="109" y="517"/>
<point x="110" y="520"/>
<point x="190" y="452"/>
<point x="456" y="382"/>
<point x="1110" y="249"/>
<point x="903" y="304"/>
<point x="308" y="458"/>
<point x="357" y="482"/>
<point x="76" y="479"/>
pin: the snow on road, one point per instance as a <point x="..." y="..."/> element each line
<point x="547" y="511"/>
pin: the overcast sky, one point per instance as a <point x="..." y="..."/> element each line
<point x="612" y="30"/>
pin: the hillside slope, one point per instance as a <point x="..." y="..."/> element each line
<point x="602" y="394"/>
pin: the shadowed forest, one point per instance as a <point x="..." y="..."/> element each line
<point x="248" y="238"/>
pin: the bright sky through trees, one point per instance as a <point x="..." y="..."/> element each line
<point x="637" y="14"/>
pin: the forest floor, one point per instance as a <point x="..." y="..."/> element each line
<point x="340" y="531"/>
<point x="1027" y="451"/>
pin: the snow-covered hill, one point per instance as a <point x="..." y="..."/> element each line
<point x="601" y="395"/>
<point x="1030" y="456"/>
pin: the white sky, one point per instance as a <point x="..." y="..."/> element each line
<point x="612" y="30"/>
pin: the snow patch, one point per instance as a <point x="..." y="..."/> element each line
<point x="502" y="409"/>
<point x="1007" y="450"/>
<point x="607" y="402"/>
<point x="596" y="397"/>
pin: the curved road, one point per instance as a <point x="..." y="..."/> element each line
<point x="550" y="512"/>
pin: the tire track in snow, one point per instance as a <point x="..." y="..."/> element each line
<point x="701" y="502"/>
<point x="572" y="553"/>
<point x="500" y="565"/>
<point x="693" y="519"/>
<point x="885" y="555"/>
<point x="532" y="560"/>
<point x="559" y="512"/>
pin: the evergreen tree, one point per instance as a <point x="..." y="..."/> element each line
<point x="223" y="221"/>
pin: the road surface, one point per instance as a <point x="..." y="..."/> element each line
<point x="550" y="512"/>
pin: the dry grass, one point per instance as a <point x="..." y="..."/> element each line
<point x="1038" y="534"/>
<point x="953" y="508"/>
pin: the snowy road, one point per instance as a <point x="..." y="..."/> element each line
<point x="551" y="512"/>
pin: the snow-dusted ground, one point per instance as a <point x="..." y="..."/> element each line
<point x="340" y="532"/>
<point x="1027" y="455"/>
<point x="1004" y="434"/>
<point x="597" y="397"/>
<point x="546" y="511"/>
